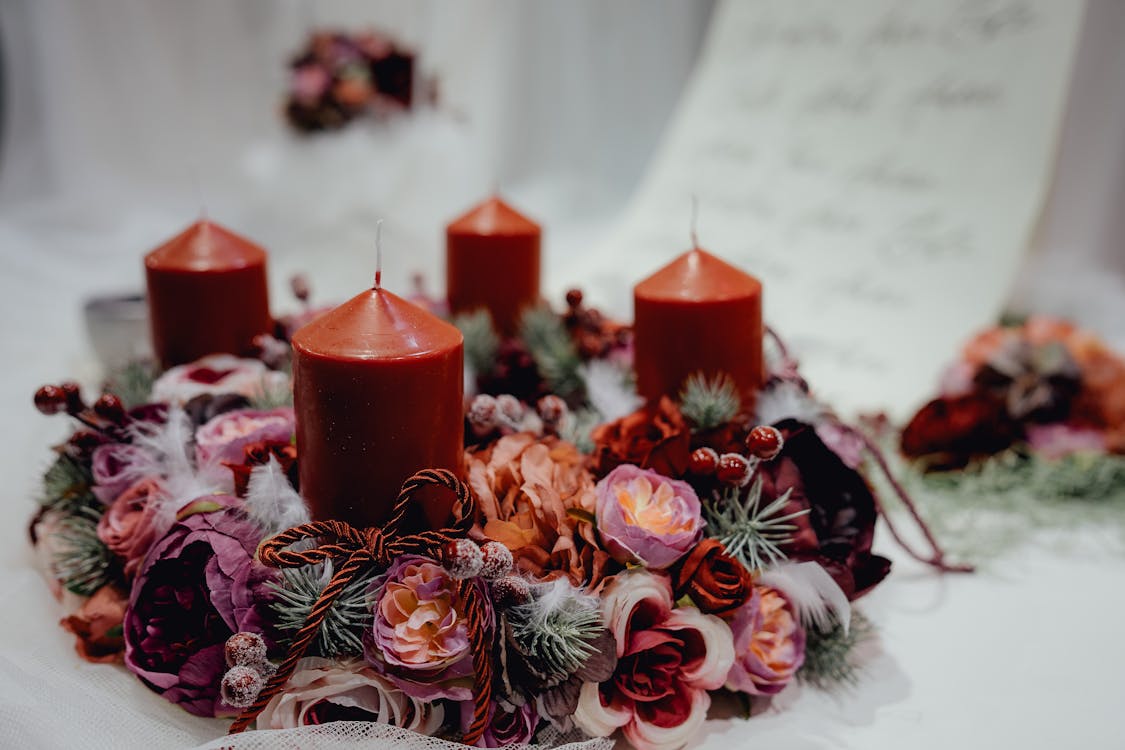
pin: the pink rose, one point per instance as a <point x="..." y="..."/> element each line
<point x="324" y="690"/>
<point x="644" y="517"/>
<point x="223" y="438"/>
<point x="215" y="374"/>
<point x="667" y="661"/>
<point x="769" y="644"/>
<point x="131" y="525"/>
<point x="115" y="466"/>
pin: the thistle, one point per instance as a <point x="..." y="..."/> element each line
<point x="481" y="341"/>
<point x="66" y="486"/>
<point x="830" y="653"/>
<point x="82" y="561"/>
<point x="752" y="534"/>
<point x="551" y="347"/>
<point x="709" y="403"/>
<point x="557" y="629"/>
<point x="297" y="592"/>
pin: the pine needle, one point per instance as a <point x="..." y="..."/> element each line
<point x="751" y="533"/>
<point x="709" y="403"/>
<point x="66" y="486"/>
<point x="340" y="633"/>
<point x="133" y="383"/>
<point x="82" y="561"/>
<point x="557" y="628"/>
<point x="830" y="656"/>
<point x="481" y="340"/>
<point x="551" y="347"/>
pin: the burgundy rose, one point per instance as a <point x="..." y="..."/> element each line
<point x="199" y="585"/>
<point x="717" y="583"/>
<point x="950" y="430"/>
<point x="655" y="437"/>
<point x="131" y="525"/>
<point x="838" y="530"/>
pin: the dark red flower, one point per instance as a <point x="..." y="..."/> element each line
<point x="655" y="437"/>
<point x="951" y="430"/>
<point x="717" y="583"/>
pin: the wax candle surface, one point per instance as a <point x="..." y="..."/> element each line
<point x="492" y="261"/>
<point x="377" y="387"/>
<point x="206" y="293"/>
<point x="698" y="314"/>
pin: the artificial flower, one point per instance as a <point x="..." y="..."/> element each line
<point x="216" y="374"/>
<point x="97" y="625"/>
<point x="115" y="466"/>
<point x="259" y="454"/>
<point x="537" y="498"/>
<point x="133" y="523"/>
<point x="646" y="518"/>
<point x="324" y="690"/>
<point x="951" y="430"/>
<point x="198" y="586"/>
<point x="507" y="725"/>
<point x="769" y="644"/>
<point x="716" y="583"/>
<point x="223" y="438"/>
<point x="655" y="437"/>
<point x="420" y="636"/>
<point x="838" y="529"/>
<point x="668" y="660"/>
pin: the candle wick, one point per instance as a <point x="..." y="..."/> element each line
<point x="379" y="254"/>
<point x="694" y="221"/>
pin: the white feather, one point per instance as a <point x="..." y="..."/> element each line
<point x="608" y="389"/>
<point x="271" y="502"/>
<point x="559" y="594"/>
<point x="171" y="447"/>
<point x="787" y="400"/>
<point x="814" y="594"/>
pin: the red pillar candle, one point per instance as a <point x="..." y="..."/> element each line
<point x="698" y="314"/>
<point x="492" y="261"/>
<point x="378" y="388"/>
<point x="206" y="294"/>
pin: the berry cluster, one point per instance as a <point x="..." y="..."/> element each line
<point x="764" y="443"/>
<point x="505" y="414"/>
<point x="463" y="558"/>
<point x="105" y="420"/>
<point x="594" y="334"/>
<point x="248" y="669"/>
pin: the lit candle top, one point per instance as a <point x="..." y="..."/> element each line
<point x="493" y="217"/>
<point x="376" y="324"/>
<point x="205" y="246"/>
<point x="698" y="275"/>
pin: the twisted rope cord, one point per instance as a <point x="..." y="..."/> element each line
<point x="378" y="545"/>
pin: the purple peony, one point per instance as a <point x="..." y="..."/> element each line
<point x="645" y="517"/>
<point x="198" y="586"/>
<point x="420" y="637"/>
<point x="116" y="467"/>
<point x="224" y="437"/>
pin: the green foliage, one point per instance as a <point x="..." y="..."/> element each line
<point x="481" y="340"/>
<point x="82" y="561"/>
<point x="66" y="486"/>
<point x="751" y="533"/>
<point x="133" y="383"/>
<point x="578" y="427"/>
<point x="709" y="403"/>
<point x="272" y="396"/>
<point x="830" y="661"/>
<point x="558" y="632"/>
<point x="555" y="355"/>
<point x="340" y="633"/>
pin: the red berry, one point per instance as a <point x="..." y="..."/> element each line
<point x="462" y="558"/>
<point x="733" y="469"/>
<point x="245" y="649"/>
<point x="498" y="560"/>
<point x="108" y="406"/>
<point x="240" y="686"/>
<point x="703" y="461"/>
<point x="511" y="591"/>
<point x="552" y="409"/>
<point x="73" y="394"/>
<point x="50" y="399"/>
<point x="483" y="413"/>
<point x="574" y="297"/>
<point x="765" y="442"/>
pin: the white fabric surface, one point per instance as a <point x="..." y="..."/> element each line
<point x="119" y="101"/>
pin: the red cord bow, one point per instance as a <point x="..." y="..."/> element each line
<point x="380" y="546"/>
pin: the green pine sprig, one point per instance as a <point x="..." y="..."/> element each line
<point x="481" y="340"/>
<point x="557" y="631"/>
<point x="830" y="654"/>
<point x="82" y="561"/>
<point x="66" y="486"/>
<point x="751" y="533"/>
<point x="709" y="403"/>
<point x="133" y="383"/>
<point x="555" y="355"/>
<point x="340" y="633"/>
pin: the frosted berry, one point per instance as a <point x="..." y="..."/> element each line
<point x="241" y="686"/>
<point x="109" y="407"/>
<point x="703" y="461"/>
<point x="462" y="558"/>
<point x="483" y="413"/>
<point x="245" y="650"/>
<point x="511" y="410"/>
<point x="511" y="591"/>
<point x="552" y="409"/>
<point x="50" y="399"/>
<point x="574" y="298"/>
<point x="733" y="469"/>
<point x="765" y="442"/>
<point x="498" y="560"/>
